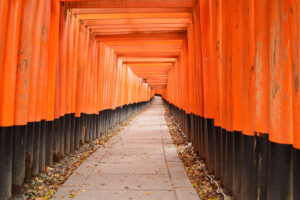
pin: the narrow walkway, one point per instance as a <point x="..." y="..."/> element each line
<point x="141" y="162"/>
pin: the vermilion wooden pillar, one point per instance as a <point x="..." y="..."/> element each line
<point x="10" y="21"/>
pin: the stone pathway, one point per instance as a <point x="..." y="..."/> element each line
<point x="139" y="163"/>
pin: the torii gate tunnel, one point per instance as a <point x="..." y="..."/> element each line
<point x="228" y="70"/>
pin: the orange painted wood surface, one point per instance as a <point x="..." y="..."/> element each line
<point x="232" y="61"/>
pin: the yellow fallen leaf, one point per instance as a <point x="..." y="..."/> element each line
<point x="83" y="190"/>
<point x="148" y="193"/>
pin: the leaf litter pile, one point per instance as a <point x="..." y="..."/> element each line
<point x="43" y="186"/>
<point x="206" y="187"/>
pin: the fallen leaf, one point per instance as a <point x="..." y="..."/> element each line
<point x="148" y="193"/>
<point x="83" y="190"/>
<point x="99" y="171"/>
<point x="39" y="180"/>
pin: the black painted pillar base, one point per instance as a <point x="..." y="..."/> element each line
<point x="229" y="162"/>
<point x="62" y="125"/>
<point x="29" y="150"/>
<point x="296" y="173"/>
<point x="94" y="126"/>
<point x="247" y="166"/>
<point x="49" y="143"/>
<point x="107" y="115"/>
<point x="110" y="119"/>
<point x="72" y="132"/>
<point x="83" y="129"/>
<point x="56" y="140"/>
<point x="280" y="177"/>
<point x="202" y="144"/>
<point x="210" y="145"/>
<point x="91" y="118"/>
<point x="87" y="128"/>
<point x="104" y="117"/>
<point x="18" y="156"/>
<point x="100" y="126"/>
<point x="197" y="135"/>
<point x="6" y="142"/>
<point x="222" y="156"/>
<point x="36" y="149"/>
<point x="115" y="116"/>
<point x="217" y="151"/>
<point x="98" y="130"/>
<point x="189" y="127"/>
<point x="185" y="123"/>
<point x="206" y="142"/>
<point x="42" y="160"/>
<point x="261" y="166"/>
<point x="237" y="156"/>
<point x="192" y="133"/>
<point x="77" y="132"/>
<point x="67" y="134"/>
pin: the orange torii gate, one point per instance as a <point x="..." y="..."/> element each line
<point x="229" y="70"/>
